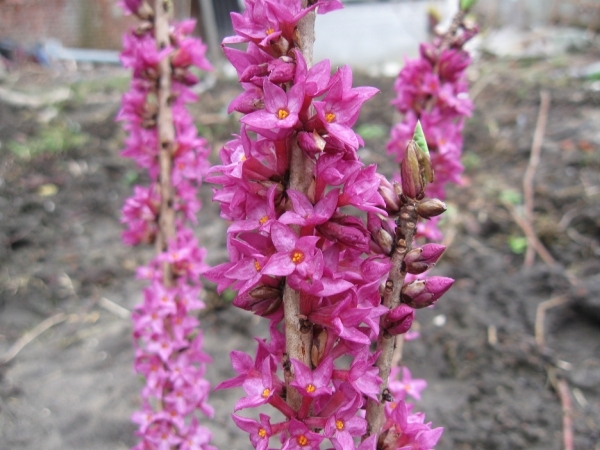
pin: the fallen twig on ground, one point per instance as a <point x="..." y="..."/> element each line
<point x="534" y="160"/>
<point x="559" y="384"/>
<point x="541" y="314"/>
<point x="567" y="408"/>
<point x="114" y="308"/>
<point x="532" y="238"/>
<point x="31" y="335"/>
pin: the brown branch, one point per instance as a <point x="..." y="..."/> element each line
<point x="540" y="315"/>
<point x="405" y="230"/>
<point x="534" y="160"/>
<point x="166" y="137"/>
<point x="457" y="22"/>
<point x="531" y="236"/>
<point x="31" y="335"/>
<point x="567" y="409"/>
<point x="560" y="384"/>
<point x="298" y="335"/>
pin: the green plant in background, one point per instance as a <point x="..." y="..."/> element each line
<point x="51" y="140"/>
<point x="517" y="244"/>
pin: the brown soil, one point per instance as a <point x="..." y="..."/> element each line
<point x="73" y="387"/>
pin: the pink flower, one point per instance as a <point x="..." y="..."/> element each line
<point x="312" y="383"/>
<point x="408" y="385"/>
<point x="281" y="109"/>
<point x="294" y="254"/>
<point x="260" y="432"/>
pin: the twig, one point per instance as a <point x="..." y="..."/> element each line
<point x="560" y="384"/>
<point x="540" y="315"/>
<point x="534" y="160"/>
<point x="31" y="335"/>
<point x="567" y="409"/>
<point x="531" y="236"/>
<point x="114" y="308"/>
<point x="405" y="229"/>
<point x="166" y="138"/>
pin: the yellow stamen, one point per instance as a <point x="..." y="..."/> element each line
<point x="310" y="388"/>
<point x="263" y="220"/>
<point x="270" y="31"/>
<point x="262" y="433"/>
<point x="302" y="440"/>
<point x="330" y="117"/>
<point x="297" y="256"/>
<point x="282" y="114"/>
<point x="339" y="425"/>
<point x="257" y="266"/>
<point x="266" y="392"/>
<point x="243" y="158"/>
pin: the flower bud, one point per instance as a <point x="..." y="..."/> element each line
<point x="311" y="143"/>
<point x="184" y="76"/>
<point x="265" y="292"/>
<point x="430" y="208"/>
<point x="381" y="234"/>
<point x="390" y="197"/>
<point x="422" y="293"/>
<point x="262" y="300"/>
<point x="385" y="241"/>
<point x="418" y="260"/>
<point x="140" y="8"/>
<point x="143" y="28"/>
<point x="412" y="180"/>
<point x="317" y="352"/>
<point x="346" y="229"/>
<point x="281" y="70"/>
<point x="399" y="320"/>
<point x="252" y="72"/>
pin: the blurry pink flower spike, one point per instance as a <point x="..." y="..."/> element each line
<point x="433" y="89"/>
<point x="167" y="338"/>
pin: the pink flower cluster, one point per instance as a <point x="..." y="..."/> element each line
<point x="306" y="239"/>
<point x="433" y="89"/>
<point x="168" y="341"/>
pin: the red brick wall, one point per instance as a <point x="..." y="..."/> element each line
<point x="76" y="23"/>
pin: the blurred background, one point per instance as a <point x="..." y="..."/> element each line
<point x="493" y="351"/>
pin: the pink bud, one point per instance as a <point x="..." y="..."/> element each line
<point x="311" y="143"/>
<point x="139" y="7"/>
<point x="253" y="71"/>
<point x="281" y="70"/>
<point x="422" y="293"/>
<point x="389" y="194"/>
<point x="347" y="230"/>
<point x="381" y="234"/>
<point x="263" y="300"/>
<point x="418" y="260"/>
<point x="399" y="320"/>
<point x="132" y="5"/>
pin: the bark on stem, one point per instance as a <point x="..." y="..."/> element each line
<point x="456" y="24"/>
<point x="405" y="231"/>
<point x="166" y="138"/>
<point x="298" y="335"/>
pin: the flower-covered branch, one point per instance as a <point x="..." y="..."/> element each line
<point x="301" y="252"/>
<point x="433" y="89"/>
<point x="162" y="139"/>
